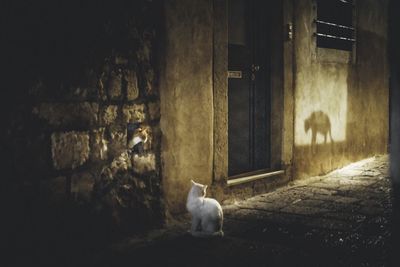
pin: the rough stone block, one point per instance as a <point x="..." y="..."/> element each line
<point x="69" y="150"/>
<point x="60" y="114"/>
<point x="114" y="85"/>
<point x="132" y="89"/>
<point x="134" y="113"/>
<point x="82" y="185"/>
<point x="109" y="114"/>
<point x="98" y="145"/>
<point x="143" y="164"/>
<point x="154" y="110"/>
<point x="121" y="163"/>
<point x="117" y="144"/>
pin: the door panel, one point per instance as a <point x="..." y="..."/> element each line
<point x="261" y="86"/>
<point x="239" y="118"/>
<point x="248" y="96"/>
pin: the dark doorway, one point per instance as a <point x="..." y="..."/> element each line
<point x="248" y="86"/>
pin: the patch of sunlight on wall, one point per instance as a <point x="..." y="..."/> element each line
<point x="323" y="90"/>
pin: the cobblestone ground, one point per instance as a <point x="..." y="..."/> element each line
<point x="340" y="219"/>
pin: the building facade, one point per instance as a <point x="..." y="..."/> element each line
<point x="243" y="96"/>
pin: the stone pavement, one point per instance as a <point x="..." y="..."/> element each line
<point x="340" y="219"/>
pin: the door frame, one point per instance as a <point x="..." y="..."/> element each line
<point x="282" y="108"/>
<point x="249" y="134"/>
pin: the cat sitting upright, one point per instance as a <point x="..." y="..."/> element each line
<point x="207" y="215"/>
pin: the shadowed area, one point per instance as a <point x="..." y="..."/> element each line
<point x="340" y="219"/>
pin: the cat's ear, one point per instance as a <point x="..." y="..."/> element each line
<point x="192" y="182"/>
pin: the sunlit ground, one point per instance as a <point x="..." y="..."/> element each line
<point x="353" y="168"/>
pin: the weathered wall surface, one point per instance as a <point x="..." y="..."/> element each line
<point x="350" y="88"/>
<point x="186" y="96"/>
<point x="220" y="85"/>
<point x="288" y="89"/>
<point x="90" y="78"/>
<point x="368" y="117"/>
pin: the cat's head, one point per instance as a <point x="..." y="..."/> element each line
<point x="198" y="189"/>
<point x="142" y="132"/>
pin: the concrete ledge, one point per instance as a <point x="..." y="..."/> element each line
<point x="250" y="178"/>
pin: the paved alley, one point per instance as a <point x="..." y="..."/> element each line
<point x="340" y="219"/>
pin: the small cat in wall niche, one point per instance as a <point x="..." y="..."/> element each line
<point x="207" y="215"/>
<point x="139" y="139"/>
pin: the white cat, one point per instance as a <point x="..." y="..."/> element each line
<point x="207" y="215"/>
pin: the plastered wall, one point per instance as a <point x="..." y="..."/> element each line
<point x="186" y="96"/>
<point x="350" y="88"/>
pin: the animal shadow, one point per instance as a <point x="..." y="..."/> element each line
<point x="320" y="123"/>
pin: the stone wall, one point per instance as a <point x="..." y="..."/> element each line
<point x="90" y="85"/>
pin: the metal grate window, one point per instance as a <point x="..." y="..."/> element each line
<point x="335" y="24"/>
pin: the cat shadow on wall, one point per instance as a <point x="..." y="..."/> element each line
<point x="319" y="123"/>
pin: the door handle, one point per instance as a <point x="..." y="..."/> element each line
<point x="254" y="69"/>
